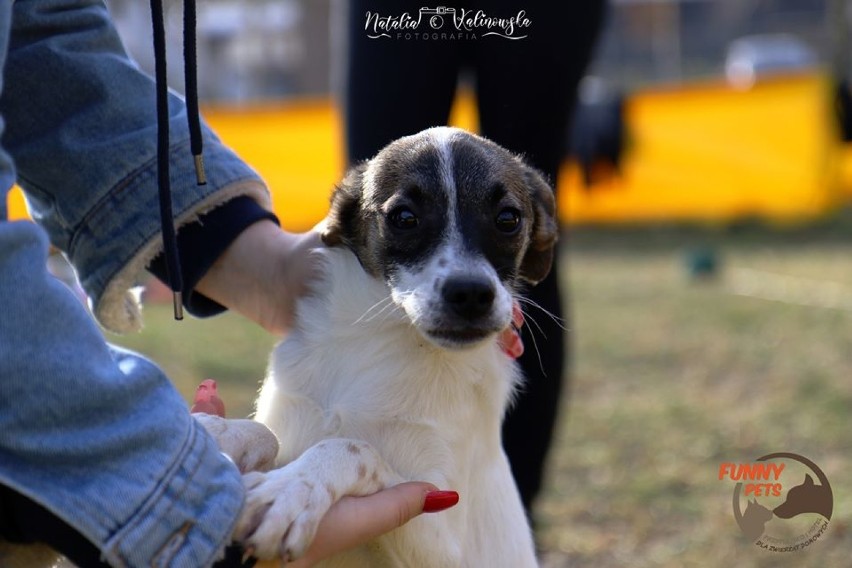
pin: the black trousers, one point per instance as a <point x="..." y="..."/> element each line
<point x="525" y="91"/>
<point x="23" y="521"/>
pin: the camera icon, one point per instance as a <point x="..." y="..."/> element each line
<point x="436" y="20"/>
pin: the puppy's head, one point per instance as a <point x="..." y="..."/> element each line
<point x="453" y="223"/>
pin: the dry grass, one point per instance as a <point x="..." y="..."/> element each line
<point x="671" y="377"/>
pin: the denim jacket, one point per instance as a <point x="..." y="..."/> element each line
<point x="98" y="435"/>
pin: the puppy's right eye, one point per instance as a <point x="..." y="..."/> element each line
<point x="403" y="218"/>
<point x="508" y="220"/>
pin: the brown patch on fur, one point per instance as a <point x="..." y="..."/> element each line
<point x="342" y="220"/>
<point x="538" y="259"/>
<point x="331" y="492"/>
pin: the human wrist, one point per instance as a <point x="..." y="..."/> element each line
<point x="203" y="241"/>
<point x="261" y="274"/>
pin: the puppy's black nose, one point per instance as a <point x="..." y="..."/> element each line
<point x="469" y="298"/>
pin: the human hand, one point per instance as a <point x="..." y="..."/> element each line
<point x="353" y="521"/>
<point x="350" y="521"/>
<point x="250" y="445"/>
<point x="509" y="339"/>
<point x="263" y="273"/>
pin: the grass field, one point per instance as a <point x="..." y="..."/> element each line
<point x="670" y="378"/>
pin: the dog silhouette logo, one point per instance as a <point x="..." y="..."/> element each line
<point x="806" y="498"/>
<point x="789" y="501"/>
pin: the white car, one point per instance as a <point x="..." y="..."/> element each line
<point x="752" y="57"/>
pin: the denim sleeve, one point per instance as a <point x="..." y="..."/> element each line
<point x="98" y="435"/>
<point x="81" y="128"/>
<point x="202" y="243"/>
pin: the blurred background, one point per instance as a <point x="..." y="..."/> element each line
<point x="705" y="195"/>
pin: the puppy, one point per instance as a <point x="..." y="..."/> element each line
<point x="392" y="371"/>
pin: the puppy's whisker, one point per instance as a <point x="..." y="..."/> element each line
<point x="384" y="311"/>
<point x="398" y="302"/>
<point x="556" y="319"/>
<point x="537" y="350"/>
<point x="365" y="319"/>
<point x="394" y="308"/>
<point x="367" y="315"/>
<point x="388" y="316"/>
<point x="529" y="318"/>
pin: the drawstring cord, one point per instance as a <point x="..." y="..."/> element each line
<point x="190" y="72"/>
<point x="170" y="248"/>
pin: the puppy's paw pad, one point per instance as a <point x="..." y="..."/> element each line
<point x="281" y="516"/>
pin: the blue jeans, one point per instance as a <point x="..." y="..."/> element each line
<point x="95" y="434"/>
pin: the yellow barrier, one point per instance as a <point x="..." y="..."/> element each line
<point x="709" y="152"/>
<point x="700" y="152"/>
<point x="296" y="147"/>
<point x="16" y="205"/>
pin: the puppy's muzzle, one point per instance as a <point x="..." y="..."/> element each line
<point x="468" y="298"/>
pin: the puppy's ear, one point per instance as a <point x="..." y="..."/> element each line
<point x="545" y="231"/>
<point x="341" y="223"/>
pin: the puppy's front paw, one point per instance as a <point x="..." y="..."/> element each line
<point x="284" y="507"/>
<point x="251" y="445"/>
<point x="282" y="512"/>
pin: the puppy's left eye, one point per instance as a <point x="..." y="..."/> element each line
<point x="403" y="219"/>
<point x="508" y="220"/>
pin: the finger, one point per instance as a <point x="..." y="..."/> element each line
<point x="357" y="520"/>
<point x="517" y="314"/>
<point x="509" y="339"/>
<point x="511" y="343"/>
<point x="207" y="399"/>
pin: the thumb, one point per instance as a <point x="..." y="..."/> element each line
<point x="355" y="520"/>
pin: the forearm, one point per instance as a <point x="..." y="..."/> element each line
<point x="262" y="274"/>
<point x="80" y="125"/>
<point x="97" y="436"/>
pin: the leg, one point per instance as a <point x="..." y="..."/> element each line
<point x="526" y="90"/>
<point x="393" y="87"/>
<point x="28" y="524"/>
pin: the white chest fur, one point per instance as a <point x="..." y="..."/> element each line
<point x="354" y="367"/>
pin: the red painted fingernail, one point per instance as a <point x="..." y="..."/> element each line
<point x="517" y="315"/>
<point x="439" y="500"/>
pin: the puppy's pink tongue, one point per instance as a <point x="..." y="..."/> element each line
<point x="207" y="399"/>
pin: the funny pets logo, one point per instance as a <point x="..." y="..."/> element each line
<point x="788" y="500"/>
